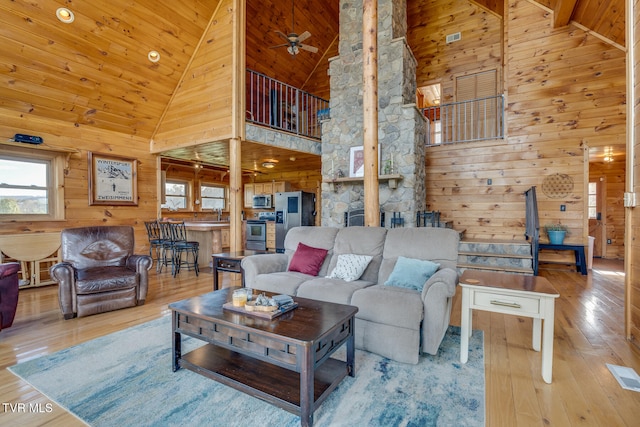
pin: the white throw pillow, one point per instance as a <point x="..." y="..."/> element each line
<point x="350" y="267"/>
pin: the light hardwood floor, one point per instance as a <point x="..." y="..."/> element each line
<point x="589" y="332"/>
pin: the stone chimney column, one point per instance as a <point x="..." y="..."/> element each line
<point x="401" y="127"/>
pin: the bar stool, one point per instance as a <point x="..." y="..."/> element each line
<point x="179" y="246"/>
<point x="155" y="240"/>
<point x="166" y="254"/>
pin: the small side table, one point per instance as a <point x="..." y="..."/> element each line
<point x="529" y="296"/>
<point x="230" y="262"/>
<point x="581" y="262"/>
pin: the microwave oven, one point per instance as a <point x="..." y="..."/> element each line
<point x="262" y="201"/>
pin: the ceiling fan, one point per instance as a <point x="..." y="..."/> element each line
<point x="294" y="41"/>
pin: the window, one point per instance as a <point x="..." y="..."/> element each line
<point x="213" y="196"/>
<point x="176" y="195"/>
<point x="31" y="185"/>
<point x="476" y="114"/>
<point x="593" y="199"/>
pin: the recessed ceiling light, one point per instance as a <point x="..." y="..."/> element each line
<point x="153" y="56"/>
<point x="65" y="15"/>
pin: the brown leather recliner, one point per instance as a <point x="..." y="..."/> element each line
<point x="99" y="271"/>
<point x="9" y="288"/>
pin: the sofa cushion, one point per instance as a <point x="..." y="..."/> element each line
<point x="389" y="305"/>
<point x="99" y="279"/>
<point x="284" y="282"/>
<point x="307" y="259"/>
<point x="350" y="267"/>
<point x="360" y="241"/>
<point x="331" y="290"/>
<point x="411" y="273"/>
<point x="435" y="244"/>
<point x="316" y="237"/>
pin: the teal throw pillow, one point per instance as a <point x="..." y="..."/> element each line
<point x="411" y="273"/>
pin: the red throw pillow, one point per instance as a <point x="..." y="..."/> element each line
<point x="307" y="260"/>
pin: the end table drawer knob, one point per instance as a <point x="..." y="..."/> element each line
<point x="505" y="304"/>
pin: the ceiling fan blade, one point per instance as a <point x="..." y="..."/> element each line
<point x="302" y="37"/>
<point x="308" y="48"/>
<point x="283" y="35"/>
<point x="279" y="45"/>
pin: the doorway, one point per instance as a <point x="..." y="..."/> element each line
<point x="606" y="212"/>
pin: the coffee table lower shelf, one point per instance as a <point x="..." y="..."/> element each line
<point x="271" y="383"/>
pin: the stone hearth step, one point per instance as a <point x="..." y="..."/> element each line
<point x="512" y="256"/>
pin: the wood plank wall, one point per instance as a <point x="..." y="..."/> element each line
<point x="632" y="279"/>
<point x="78" y="213"/>
<point x="318" y="83"/>
<point x="200" y="110"/>
<point x="565" y="91"/>
<point x="613" y="176"/>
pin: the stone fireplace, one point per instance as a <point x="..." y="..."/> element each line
<point x="401" y="126"/>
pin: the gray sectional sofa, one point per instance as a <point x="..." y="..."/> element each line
<point x="392" y="321"/>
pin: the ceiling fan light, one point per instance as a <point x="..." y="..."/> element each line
<point x="293" y="50"/>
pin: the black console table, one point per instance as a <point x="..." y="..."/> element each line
<point x="581" y="263"/>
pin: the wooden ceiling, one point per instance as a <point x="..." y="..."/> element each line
<point x="95" y="72"/>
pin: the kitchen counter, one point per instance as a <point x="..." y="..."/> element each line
<point x="212" y="236"/>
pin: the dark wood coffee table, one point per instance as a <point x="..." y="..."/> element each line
<point x="285" y="361"/>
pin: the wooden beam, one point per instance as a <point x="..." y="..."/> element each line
<point x="236" y="197"/>
<point x="563" y="12"/>
<point x="370" y="106"/>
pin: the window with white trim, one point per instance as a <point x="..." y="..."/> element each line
<point x="31" y="185"/>
<point x="212" y="196"/>
<point x="177" y="195"/>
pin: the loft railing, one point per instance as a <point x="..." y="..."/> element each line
<point x="284" y="107"/>
<point x="465" y="121"/>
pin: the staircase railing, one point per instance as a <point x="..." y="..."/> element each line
<point x="284" y="107"/>
<point x="465" y="121"/>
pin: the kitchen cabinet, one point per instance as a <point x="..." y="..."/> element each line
<point x="248" y="195"/>
<point x="281" y="187"/>
<point x="271" y="235"/>
<point x="256" y="188"/>
<point x="262" y="188"/>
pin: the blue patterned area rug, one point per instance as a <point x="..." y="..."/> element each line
<point x="126" y="379"/>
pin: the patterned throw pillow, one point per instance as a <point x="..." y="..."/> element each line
<point x="411" y="273"/>
<point x="350" y="267"/>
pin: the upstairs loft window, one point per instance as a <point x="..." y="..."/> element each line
<point x="212" y="197"/>
<point x="176" y="195"/>
<point x="31" y="185"/>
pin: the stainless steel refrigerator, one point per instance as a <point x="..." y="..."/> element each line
<point x="293" y="209"/>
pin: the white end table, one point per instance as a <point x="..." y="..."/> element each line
<point x="530" y="296"/>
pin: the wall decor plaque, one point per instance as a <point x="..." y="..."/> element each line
<point x="557" y="186"/>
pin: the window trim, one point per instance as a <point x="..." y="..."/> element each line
<point x="55" y="181"/>
<point x="224" y="187"/>
<point x="187" y="204"/>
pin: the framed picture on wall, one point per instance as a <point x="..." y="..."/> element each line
<point x="112" y="180"/>
<point x="356" y="161"/>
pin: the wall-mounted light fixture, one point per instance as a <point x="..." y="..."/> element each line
<point x="65" y="15"/>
